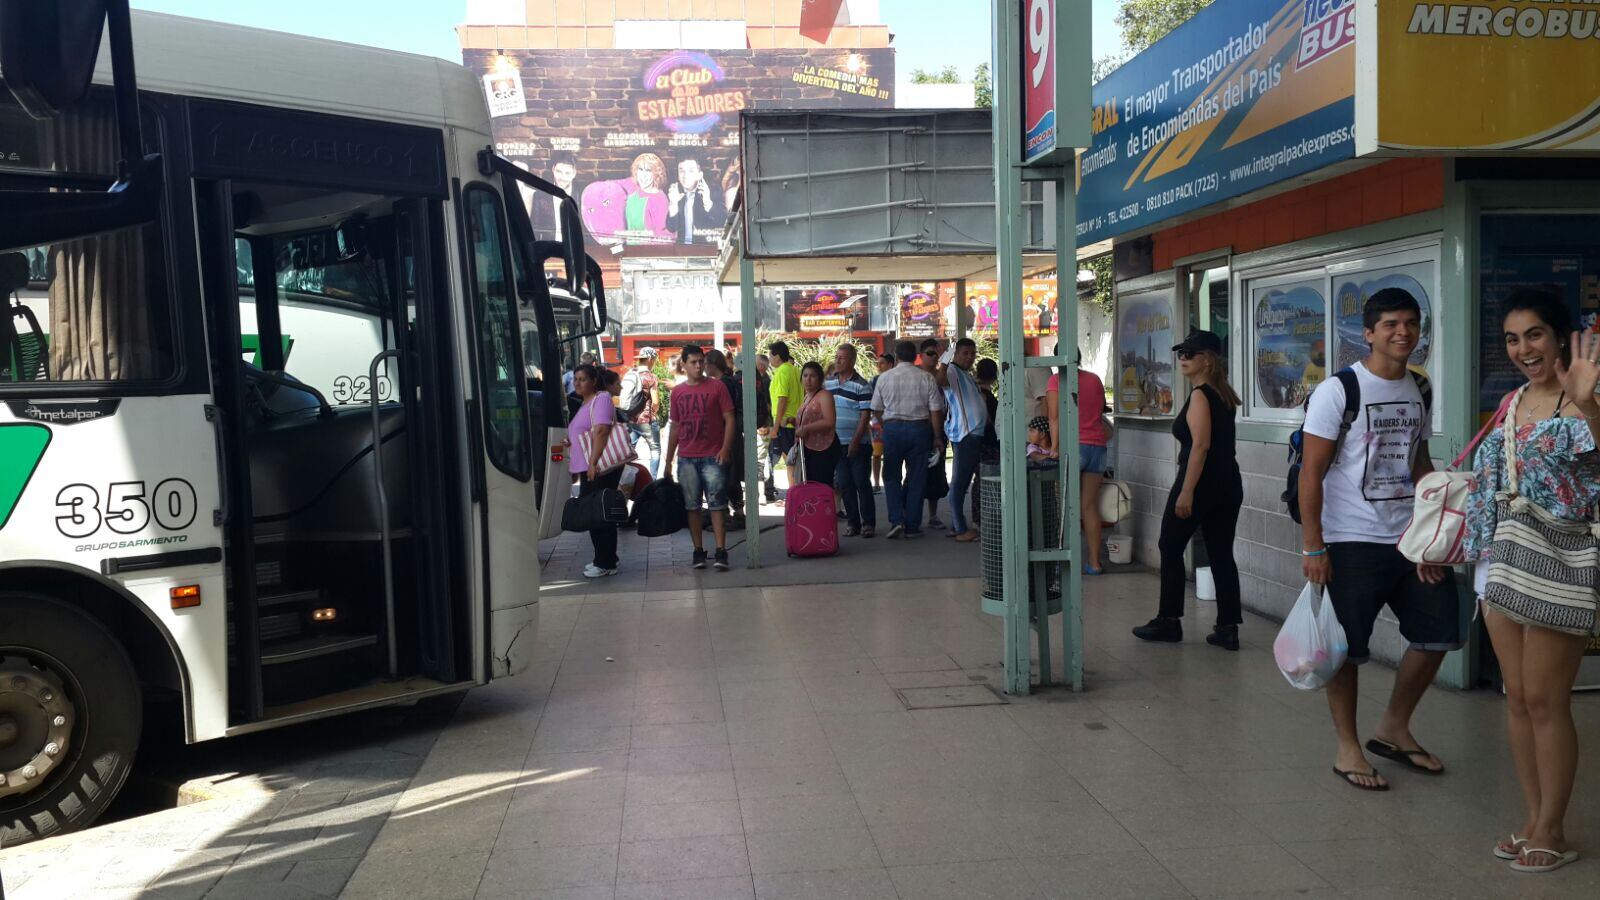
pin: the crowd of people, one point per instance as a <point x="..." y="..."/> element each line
<point x="1532" y="530"/>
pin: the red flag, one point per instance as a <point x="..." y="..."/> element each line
<point x="817" y="18"/>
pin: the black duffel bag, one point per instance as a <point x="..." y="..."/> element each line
<point x="937" y="484"/>
<point x="659" y="509"/>
<point x="604" y="507"/>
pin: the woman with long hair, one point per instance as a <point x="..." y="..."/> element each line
<point x="646" y="209"/>
<point x="815" y="427"/>
<point x="1206" y="497"/>
<point x="596" y="415"/>
<point x="1540" y="607"/>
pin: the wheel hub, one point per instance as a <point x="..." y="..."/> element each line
<point x="36" y="720"/>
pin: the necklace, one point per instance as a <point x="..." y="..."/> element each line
<point x="1530" y="414"/>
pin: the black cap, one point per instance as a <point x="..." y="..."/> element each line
<point x="1200" y="341"/>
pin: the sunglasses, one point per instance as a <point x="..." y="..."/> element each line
<point x="1188" y="354"/>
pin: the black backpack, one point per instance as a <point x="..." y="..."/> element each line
<point x="1352" y="408"/>
<point x="659" y="510"/>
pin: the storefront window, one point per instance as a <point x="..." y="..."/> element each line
<point x="1146" y="366"/>
<point x="1297" y="339"/>
<point x="1290" y="324"/>
<point x="1559" y="252"/>
<point x="1209" y="298"/>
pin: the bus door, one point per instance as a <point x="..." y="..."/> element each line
<point x="548" y="346"/>
<point x="331" y="340"/>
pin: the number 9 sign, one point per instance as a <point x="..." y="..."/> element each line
<point x="1055" y="79"/>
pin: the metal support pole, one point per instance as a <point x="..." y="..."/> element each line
<point x="752" y="383"/>
<point x="961" y="308"/>
<point x="1071" y="483"/>
<point x="1006" y="16"/>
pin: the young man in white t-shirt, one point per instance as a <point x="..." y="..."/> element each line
<point x="1356" y="494"/>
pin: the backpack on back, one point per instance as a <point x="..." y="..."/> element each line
<point x="1352" y="408"/>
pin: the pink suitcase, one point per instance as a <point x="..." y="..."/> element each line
<point x="810" y="525"/>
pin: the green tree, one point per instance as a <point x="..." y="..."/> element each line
<point x="1103" y="281"/>
<point x="1143" y="22"/>
<point x="982" y="87"/>
<point x="947" y="75"/>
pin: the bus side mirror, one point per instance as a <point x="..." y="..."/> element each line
<point x="594" y="284"/>
<point x="48" y="51"/>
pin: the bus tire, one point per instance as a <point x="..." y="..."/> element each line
<point x="45" y="646"/>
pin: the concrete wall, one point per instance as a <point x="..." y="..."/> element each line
<point x="1267" y="544"/>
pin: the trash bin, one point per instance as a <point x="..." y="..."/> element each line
<point x="1044" y="516"/>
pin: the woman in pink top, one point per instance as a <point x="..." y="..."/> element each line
<point x="815" y="427"/>
<point x="1092" y="439"/>
<point x="597" y="415"/>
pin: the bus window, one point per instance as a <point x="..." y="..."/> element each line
<point x="501" y="379"/>
<point x="87" y="310"/>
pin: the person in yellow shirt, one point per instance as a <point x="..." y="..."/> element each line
<point x="786" y="399"/>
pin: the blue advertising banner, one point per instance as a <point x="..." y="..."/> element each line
<point x="1246" y="94"/>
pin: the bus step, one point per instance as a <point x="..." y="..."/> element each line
<point x="315" y="646"/>
<point x="269" y="573"/>
<point x="266" y="600"/>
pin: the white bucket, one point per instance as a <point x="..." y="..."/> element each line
<point x="1205" y="587"/>
<point x="1119" y="548"/>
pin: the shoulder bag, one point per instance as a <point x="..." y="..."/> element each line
<point x="1116" y="501"/>
<point x="617" y="452"/>
<point x="1543" y="571"/>
<point x="1438" y="526"/>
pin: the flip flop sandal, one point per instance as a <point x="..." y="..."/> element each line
<point x="1561" y="859"/>
<point x="1351" y="776"/>
<point x="1407" y="758"/>
<point x="1517" y="843"/>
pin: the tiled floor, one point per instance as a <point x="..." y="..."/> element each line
<point x="749" y="742"/>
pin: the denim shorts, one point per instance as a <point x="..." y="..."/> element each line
<point x="1091" y="459"/>
<point x="703" y="478"/>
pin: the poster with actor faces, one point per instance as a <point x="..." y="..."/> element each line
<point x="647" y="142"/>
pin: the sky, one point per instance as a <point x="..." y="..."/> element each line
<point x="929" y="34"/>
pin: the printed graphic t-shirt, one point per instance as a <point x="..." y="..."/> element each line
<point x="1368" y="493"/>
<point x="697" y="415"/>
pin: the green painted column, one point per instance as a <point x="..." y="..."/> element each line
<point x="1009" y="229"/>
<point x="1457" y="310"/>
<point x="747" y="364"/>
<point x="1067" y="411"/>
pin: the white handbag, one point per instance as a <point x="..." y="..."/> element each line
<point x="1439" y="515"/>
<point x="1116" y="501"/>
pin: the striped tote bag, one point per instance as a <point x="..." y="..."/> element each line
<point x="1543" y="571"/>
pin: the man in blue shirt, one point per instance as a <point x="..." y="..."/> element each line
<point x="964" y="425"/>
<point x="852" y="402"/>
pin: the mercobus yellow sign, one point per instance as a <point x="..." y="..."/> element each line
<point x="1508" y="76"/>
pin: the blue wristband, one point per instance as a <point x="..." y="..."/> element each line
<point x="1310" y="553"/>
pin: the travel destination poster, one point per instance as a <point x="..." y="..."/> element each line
<point x="1291" y="343"/>
<point x="1146" y="365"/>
<point x="1350" y="294"/>
<point x="1244" y="95"/>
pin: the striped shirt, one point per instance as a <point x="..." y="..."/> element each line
<point x="968" y="414"/>
<point x="906" y="393"/>
<point x="851" y="398"/>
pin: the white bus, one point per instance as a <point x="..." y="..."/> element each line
<point x="273" y="418"/>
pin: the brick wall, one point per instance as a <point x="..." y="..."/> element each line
<point x="1389" y="190"/>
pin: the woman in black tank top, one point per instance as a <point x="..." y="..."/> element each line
<point x="1206" y="496"/>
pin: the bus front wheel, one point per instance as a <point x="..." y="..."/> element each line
<point x="70" y="714"/>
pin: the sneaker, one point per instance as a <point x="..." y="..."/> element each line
<point x="771" y="494"/>
<point x="868" y="531"/>
<point x="699" y="560"/>
<point x="1224" y="636"/>
<point x="594" y="571"/>
<point x="935" y="523"/>
<point x="895" y="532"/>
<point x="720" y="560"/>
<point x="1160" y="630"/>
<point x="839" y="515"/>
<point x="736" y="523"/>
<point x="852" y="531"/>
<point x="914" y="533"/>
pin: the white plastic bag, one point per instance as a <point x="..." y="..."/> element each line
<point x="1311" y="646"/>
